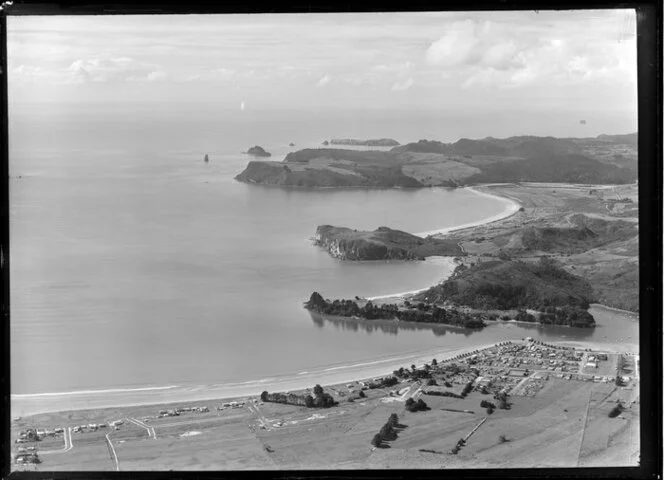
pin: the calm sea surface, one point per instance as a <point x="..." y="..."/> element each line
<point x="135" y="264"/>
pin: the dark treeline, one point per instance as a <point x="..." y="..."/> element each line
<point x="321" y="399"/>
<point x="572" y="316"/>
<point x="421" y="312"/>
<point x="383" y="382"/>
<point x="441" y="394"/>
<point x="416" y="406"/>
<point x="387" y="431"/>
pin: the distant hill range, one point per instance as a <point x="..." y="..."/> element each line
<point x="380" y="142"/>
<point x="606" y="159"/>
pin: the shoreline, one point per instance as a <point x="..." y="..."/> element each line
<point x="448" y="265"/>
<point x="328" y="377"/>
<point x="129" y="397"/>
<point x="33" y="404"/>
<point x="510" y="209"/>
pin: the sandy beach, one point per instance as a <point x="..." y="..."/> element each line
<point x="447" y="265"/>
<point x="511" y="207"/>
<point x="24" y="405"/>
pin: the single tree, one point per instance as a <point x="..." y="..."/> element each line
<point x="394" y="419"/>
<point x="377" y="440"/>
<point x="318" y="390"/>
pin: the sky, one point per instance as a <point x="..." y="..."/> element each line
<point x="476" y="61"/>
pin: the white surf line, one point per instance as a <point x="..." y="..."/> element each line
<point x="91" y="392"/>
<point x="141" y="424"/>
<point x="115" y="456"/>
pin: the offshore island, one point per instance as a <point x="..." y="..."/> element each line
<point x="572" y="240"/>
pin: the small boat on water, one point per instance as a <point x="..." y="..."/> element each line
<point x="206" y="159"/>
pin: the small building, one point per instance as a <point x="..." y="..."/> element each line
<point x="591" y="365"/>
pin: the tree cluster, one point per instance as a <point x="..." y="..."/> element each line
<point x="414" y="373"/>
<point x="387" y="431"/>
<point x="617" y="410"/>
<point x="320" y="399"/>
<point x="569" y="315"/>
<point x="420" y="313"/>
<point x="490" y="407"/>
<point x="383" y="383"/>
<point x="442" y="394"/>
<point x="416" y="406"/>
<point x="503" y="404"/>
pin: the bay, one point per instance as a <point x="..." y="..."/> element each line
<point x="133" y="263"/>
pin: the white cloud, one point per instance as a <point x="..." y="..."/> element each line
<point x="119" y="69"/>
<point x="29" y="73"/>
<point x="325" y="79"/>
<point x="502" y="56"/>
<point x="158" y="76"/>
<point x="456" y="47"/>
<point x="403" y="85"/>
<point x="400" y="69"/>
<point x="495" y="54"/>
<point x="217" y="74"/>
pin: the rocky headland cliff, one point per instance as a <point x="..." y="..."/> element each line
<point x="381" y="244"/>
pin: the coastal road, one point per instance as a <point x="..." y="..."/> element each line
<point x="66" y="434"/>
<point x="193" y="421"/>
<point x="151" y="432"/>
<point x="111" y="450"/>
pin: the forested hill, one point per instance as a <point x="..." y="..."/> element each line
<point x="509" y="284"/>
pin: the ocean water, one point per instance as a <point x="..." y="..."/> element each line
<point x="135" y="264"/>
